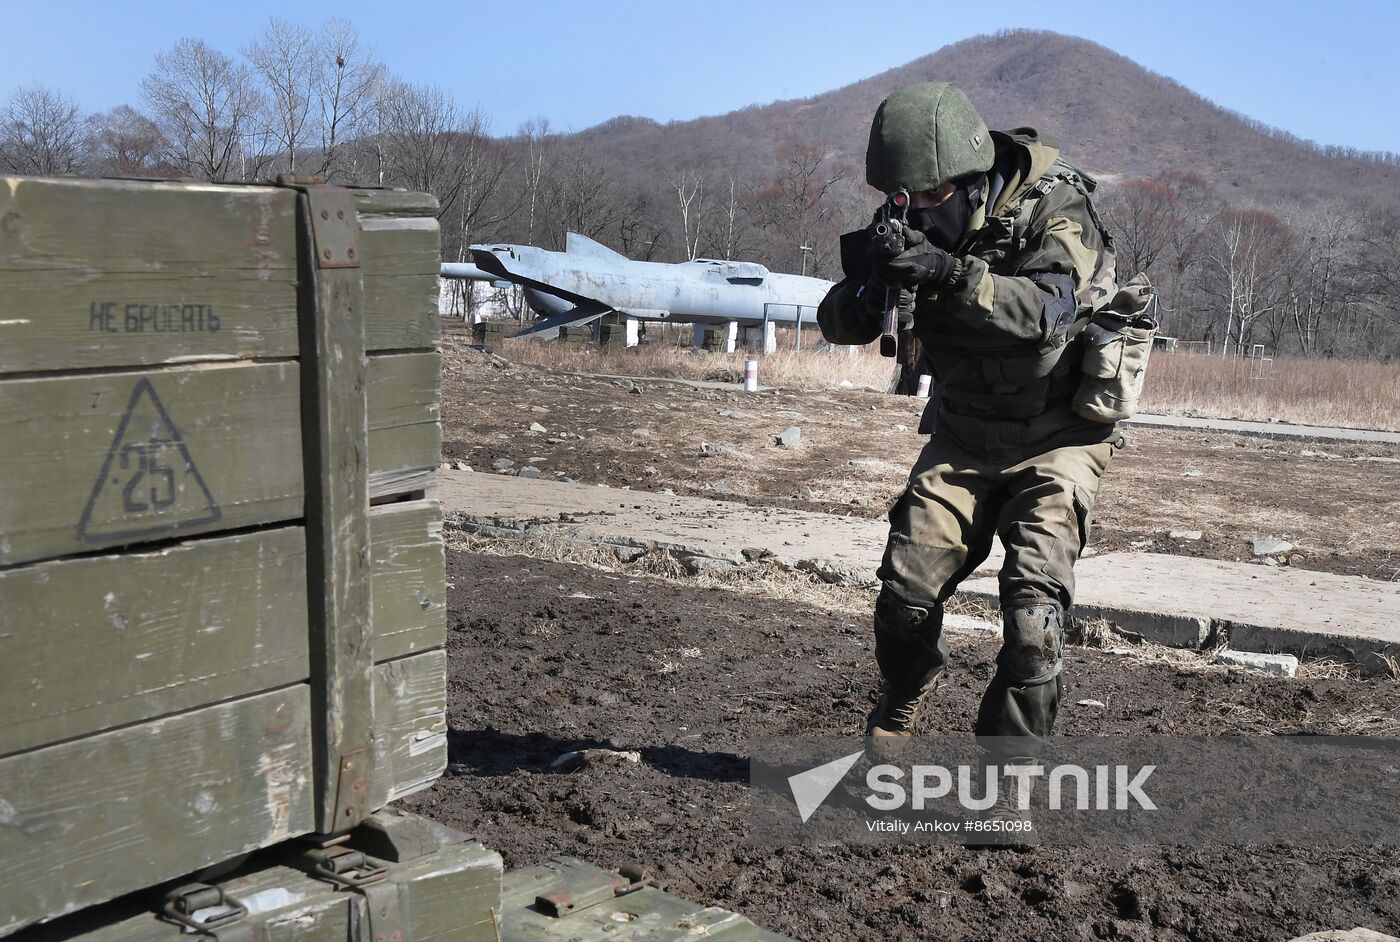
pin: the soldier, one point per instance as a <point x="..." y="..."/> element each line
<point x="1005" y="263"/>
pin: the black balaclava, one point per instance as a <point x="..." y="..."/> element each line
<point x="946" y="224"/>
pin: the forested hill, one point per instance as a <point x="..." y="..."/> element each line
<point x="1110" y="115"/>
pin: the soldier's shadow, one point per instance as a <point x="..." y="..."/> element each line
<point x="491" y="752"/>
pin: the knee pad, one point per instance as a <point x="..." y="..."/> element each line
<point x="909" y="645"/>
<point x="1032" y="648"/>
<point x="905" y="621"/>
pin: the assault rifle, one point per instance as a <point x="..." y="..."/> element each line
<point x="889" y="240"/>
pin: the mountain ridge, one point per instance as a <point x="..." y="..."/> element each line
<point x="1112" y="116"/>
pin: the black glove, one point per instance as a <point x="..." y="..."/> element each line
<point x="873" y="294"/>
<point x="920" y="263"/>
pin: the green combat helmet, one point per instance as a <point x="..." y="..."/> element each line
<point x="923" y="136"/>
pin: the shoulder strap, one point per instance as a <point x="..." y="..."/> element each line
<point x="1103" y="284"/>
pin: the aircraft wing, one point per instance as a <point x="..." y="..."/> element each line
<point x="574" y="317"/>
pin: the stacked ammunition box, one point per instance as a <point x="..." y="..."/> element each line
<point x="222" y="595"/>
<point x="490" y="333"/>
<point x="575" y="336"/>
<point x="612" y="336"/>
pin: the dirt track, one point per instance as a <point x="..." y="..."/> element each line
<point x="547" y="658"/>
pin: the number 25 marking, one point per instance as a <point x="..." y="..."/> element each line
<point x="147" y="463"/>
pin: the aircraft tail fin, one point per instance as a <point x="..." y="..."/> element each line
<point x="576" y="244"/>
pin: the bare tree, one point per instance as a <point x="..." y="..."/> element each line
<point x="126" y="143"/>
<point x="794" y="205"/>
<point x="346" y="84"/>
<point x="1142" y="217"/>
<point x="734" y="219"/>
<point x="689" y="185"/>
<point x="1321" y="278"/>
<point x="205" y="104"/>
<point x="284" y="57"/>
<point x="1246" y="261"/>
<point x="420" y="128"/>
<point x="538" y="140"/>
<point x="580" y="196"/>
<point x="41" y="132"/>
<point x="639" y="229"/>
<point x="484" y="166"/>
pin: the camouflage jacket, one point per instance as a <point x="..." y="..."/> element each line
<point x="1001" y="339"/>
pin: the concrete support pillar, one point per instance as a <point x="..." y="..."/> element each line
<point x="770" y="338"/>
<point x="697" y="336"/>
<point x="630" y="325"/>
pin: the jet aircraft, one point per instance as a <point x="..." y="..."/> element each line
<point x="588" y="281"/>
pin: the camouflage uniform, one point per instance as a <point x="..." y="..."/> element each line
<point x="1007" y="457"/>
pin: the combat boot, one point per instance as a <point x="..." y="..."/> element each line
<point x="897" y="709"/>
<point x="911" y="652"/>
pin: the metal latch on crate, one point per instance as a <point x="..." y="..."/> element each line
<point x="592" y="890"/>
<point x="344" y="867"/>
<point x="208" y="910"/>
<point x="353" y="870"/>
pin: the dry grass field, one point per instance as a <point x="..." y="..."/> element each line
<point x="1349" y="393"/>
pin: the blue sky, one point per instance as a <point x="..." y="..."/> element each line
<point x="1325" y="71"/>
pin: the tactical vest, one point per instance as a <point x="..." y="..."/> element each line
<point x="990" y="377"/>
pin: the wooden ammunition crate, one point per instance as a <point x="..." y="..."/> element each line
<point x="222" y="594"/>
<point x="490" y="333"/>
<point x="437" y="885"/>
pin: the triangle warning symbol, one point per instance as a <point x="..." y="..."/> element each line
<point x="149" y="485"/>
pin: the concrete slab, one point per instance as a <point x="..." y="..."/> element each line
<point x="1280" y="430"/>
<point x="840" y="549"/>
<point x="1190" y="602"/>
<point x="1176" y="600"/>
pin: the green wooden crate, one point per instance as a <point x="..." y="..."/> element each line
<point x="571" y="900"/>
<point x="612" y="336"/>
<point x="436" y="886"/>
<point x="210" y="641"/>
<point x="491" y="333"/>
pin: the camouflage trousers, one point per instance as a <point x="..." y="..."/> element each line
<point x="941" y="529"/>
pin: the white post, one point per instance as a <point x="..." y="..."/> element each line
<point x="629" y="325"/>
<point x="770" y="338"/>
<point x="731" y="337"/>
<point x="750" y="376"/>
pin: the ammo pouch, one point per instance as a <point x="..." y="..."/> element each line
<point x="1117" y="342"/>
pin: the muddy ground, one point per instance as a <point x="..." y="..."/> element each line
<point x="546" y="658"/>
<point x="1337" y="503"/>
